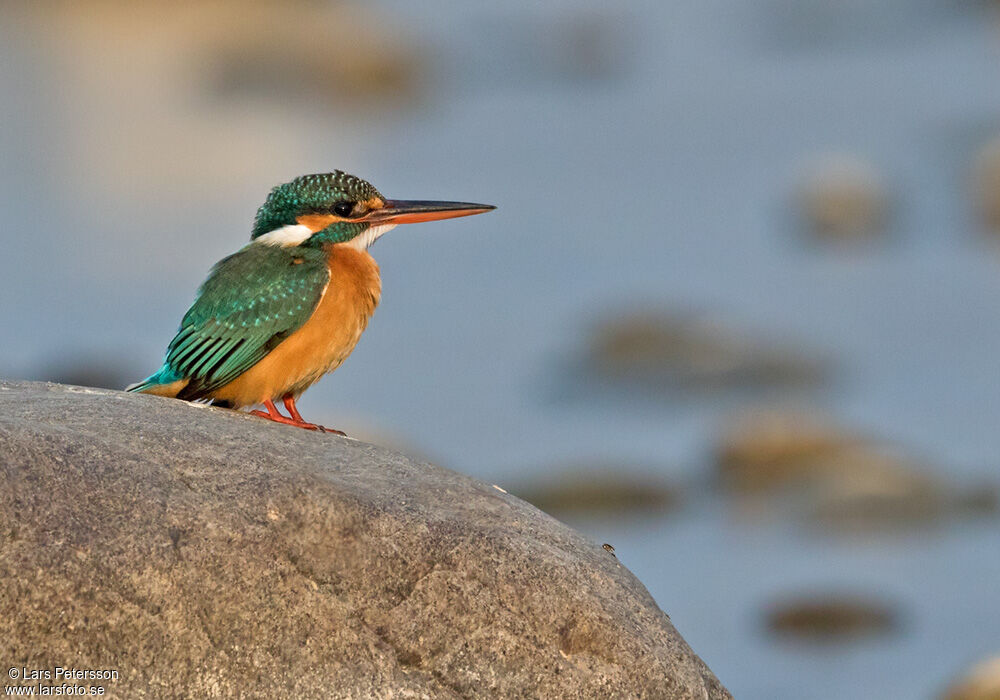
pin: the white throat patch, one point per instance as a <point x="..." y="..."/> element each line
<point x="372" y="234"/>
<point x="296" y="234"/>
<point x="286" y="236"/>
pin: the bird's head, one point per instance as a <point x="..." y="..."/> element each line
<point x="340" y="208"/>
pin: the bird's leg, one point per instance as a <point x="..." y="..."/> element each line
<point x="289" y="401"/>
<point x="273" y="414"/>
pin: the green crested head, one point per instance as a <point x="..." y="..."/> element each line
<point x="315" y="210"/>
<point x="335" y="194"/>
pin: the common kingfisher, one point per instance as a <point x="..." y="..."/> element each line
<point x="290" y="306"/>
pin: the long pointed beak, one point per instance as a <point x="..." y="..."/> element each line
<point x="412" y="211"/>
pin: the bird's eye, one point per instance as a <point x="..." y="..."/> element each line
<point x="343" y="209"/>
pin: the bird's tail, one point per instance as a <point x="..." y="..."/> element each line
<point x="164" y="383"/>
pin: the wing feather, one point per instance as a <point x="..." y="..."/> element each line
<point x="251" y="301"/>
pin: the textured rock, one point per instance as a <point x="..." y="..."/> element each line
<point x="206" y="554"/>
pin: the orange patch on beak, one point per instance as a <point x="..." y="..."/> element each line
<point x="419" y="217"/>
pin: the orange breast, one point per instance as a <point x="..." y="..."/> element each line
<point x="323" y="342"/>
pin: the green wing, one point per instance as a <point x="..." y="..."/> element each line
<point x="250" y="302"/>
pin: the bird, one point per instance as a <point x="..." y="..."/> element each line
<point x="289" y="307"/>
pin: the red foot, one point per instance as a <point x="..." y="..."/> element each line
<point x="296" y="419"/>
<point x="289" y="402"/>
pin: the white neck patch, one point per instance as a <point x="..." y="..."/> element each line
<point x="364" y="240"/>
<point x="286" y="236"/>
<point x="296" y="234"/>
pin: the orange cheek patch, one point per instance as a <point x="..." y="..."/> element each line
<point x="318" y="222"/>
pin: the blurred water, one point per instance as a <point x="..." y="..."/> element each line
<point x="643" y="156"/>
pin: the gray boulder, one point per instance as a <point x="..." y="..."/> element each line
<point x="203" y="553"/>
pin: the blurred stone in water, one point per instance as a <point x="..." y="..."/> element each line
<point x="837" y="480"/>
<point x="600" y="490"/>
<point x="831" y="617"/>
<point x="986" y="184"/>
<point x="764" y="449"/>
<point x="884" y="492"/>
<point x="204" y="92"/>
<point x="657" y="349"/>
<point x="338" y="52"/>
<point x="843" y="197"/>
<point x="981" y="682"/>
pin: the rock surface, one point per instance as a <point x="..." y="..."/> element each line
<point x="205" y="554"/>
